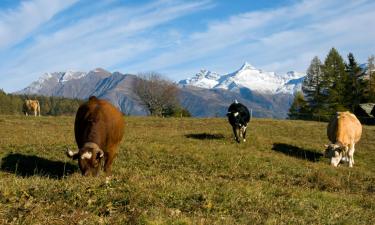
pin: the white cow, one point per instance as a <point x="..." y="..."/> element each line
<point x="32" y="106"/>
<point x="344" y="131"/>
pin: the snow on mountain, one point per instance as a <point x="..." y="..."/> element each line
<point x="52" y="79"/>
<point x="249" y="77"/>
<point x="203" y="79"/>
<point x="71" y="75"/>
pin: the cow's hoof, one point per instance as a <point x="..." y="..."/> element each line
<point x="244" y="140"/>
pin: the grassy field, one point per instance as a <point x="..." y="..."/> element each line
<point x="185" y="171"/>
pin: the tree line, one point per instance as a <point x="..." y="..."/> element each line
<point x="332" y="86"/>
<point x="11" y="104"/>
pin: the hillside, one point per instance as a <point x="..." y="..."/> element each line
<point x="185" y="171"/>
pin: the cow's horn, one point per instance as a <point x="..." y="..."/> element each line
<point x="101" y="153"/>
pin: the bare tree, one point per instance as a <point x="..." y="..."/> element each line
<point x="157" y="94"/>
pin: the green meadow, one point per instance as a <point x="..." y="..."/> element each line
<point x="185" y="171"/>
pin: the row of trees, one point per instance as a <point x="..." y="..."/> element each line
<point x="12" y="104"/>
<point x="332" y="86"/>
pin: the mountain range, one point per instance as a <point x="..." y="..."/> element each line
<point x="206" y="94"/>
<point x="248" y="77"/>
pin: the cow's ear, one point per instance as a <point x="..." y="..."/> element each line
<point x="228" y="113"/>
<point x="71" y="154"/>
<point x="337" y="146"/>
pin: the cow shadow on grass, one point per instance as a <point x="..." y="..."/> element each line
<point x="205" y="136"/>
<point x="297" y="152"/>
<point x="29" y="165"/>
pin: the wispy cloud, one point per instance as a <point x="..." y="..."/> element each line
<point x="17" y="24"/>
<point x="104" y="39"/>
<point x="145" y="37"/>
<point x="280" y="39"/>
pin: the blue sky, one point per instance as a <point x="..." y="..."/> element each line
<point x="176" y="38"/>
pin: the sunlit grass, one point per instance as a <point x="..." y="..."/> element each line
<point x="185" y="171"/>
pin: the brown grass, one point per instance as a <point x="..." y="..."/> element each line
<point x="185" y="171"/>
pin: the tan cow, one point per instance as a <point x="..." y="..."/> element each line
<point x="98" y="130"/>
<point x="344" y="131"/>
<point x="32" y="106"/>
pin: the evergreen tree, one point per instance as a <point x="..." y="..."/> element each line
<point x="355" y="84"/>
<point x="299" y="108"/>
<point x="334" y="83"/>
<point x="371" y="79"/>
<point x="311" y="85"/>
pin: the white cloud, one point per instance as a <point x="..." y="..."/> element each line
<point x="280" y="39"/>
<point x="17" y="24"/>
<point x="102" y="40"/>
<point x="128" y="39"/>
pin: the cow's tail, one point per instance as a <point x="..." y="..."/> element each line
<point x="251" y="114"/>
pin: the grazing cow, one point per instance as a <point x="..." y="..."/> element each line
<point x="238" y="116"/>
<point x="31" y="106"/>
<point x="344" y="131"/>
<point x="98" y="130"/>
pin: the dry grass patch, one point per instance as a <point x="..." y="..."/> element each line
<point x="184" y="171"/>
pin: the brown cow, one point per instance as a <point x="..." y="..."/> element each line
<point x="98" y="129"/>
<point x="31" y="106"/>
<point x="344" y="131"/>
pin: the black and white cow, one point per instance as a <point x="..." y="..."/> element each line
<point x="238" y="116"/>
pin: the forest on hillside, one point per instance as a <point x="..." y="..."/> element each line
<point x="11" y="104"/>
<point x="333" y="86"/>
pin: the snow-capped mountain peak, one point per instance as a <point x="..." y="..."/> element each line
<point x="247" y="66"/>
<point x="71" y="75"/>
<point x="248" y="76"/>
<point x="204" y="79"/>
<point x="52" y="79"/>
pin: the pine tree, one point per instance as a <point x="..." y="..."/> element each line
<point x="334" y="83"/>
<point x="355" y="84"/>
<point x="311" y="85"/>
<point x="299" y="108"/>
<point x="371" y="79"/>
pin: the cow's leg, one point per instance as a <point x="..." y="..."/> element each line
<point x="244" y="133"/>
<point x="351" y="155"/>
<point x="35" y="112"/>
<point x="112" y="152"/>
<point x="235" y="131"/>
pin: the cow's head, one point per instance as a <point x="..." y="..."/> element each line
<point x="334" y="152"/>
<point x="89" y="158"/>
<point x="234" y="118"/>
